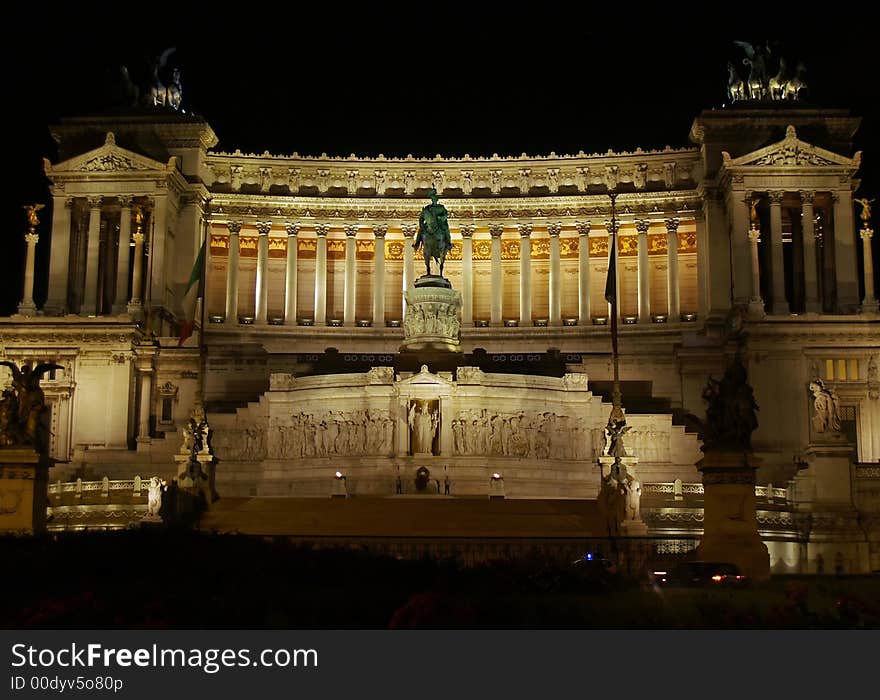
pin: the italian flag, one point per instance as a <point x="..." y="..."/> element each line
<point x="194" y="291"/>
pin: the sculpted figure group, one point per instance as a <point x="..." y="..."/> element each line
<point x="363" y="432"/>
<point x="543" y="435"/>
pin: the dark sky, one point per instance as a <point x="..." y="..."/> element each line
<point x="396" y="80"/>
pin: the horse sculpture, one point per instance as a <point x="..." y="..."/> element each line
<point x="736" y="88"/>
<point x="791" y="89"/>
<point x="777" y="83"/>
<point x="433" y="235"/>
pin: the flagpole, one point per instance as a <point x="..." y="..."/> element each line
<point x="203" y="288"/>
<point x="615" y="360"/>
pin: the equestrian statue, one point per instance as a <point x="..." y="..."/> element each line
<point x="433" y="235"/>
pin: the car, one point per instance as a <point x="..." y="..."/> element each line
<point x="701" y="573"/>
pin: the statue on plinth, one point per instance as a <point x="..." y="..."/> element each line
<point x="826" y="408"/>
<point x="423" y="423"/>
<point x="433" y="235"/>
<point x="731" y="414"/>
<point x="23" y="409"/>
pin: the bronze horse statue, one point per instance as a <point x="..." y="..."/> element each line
<point x="433" y="235"/>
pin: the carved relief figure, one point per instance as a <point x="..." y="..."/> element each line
<point x="423" y="423"/>
<point x="826" y="408"/>
<point x="542" y="435"/>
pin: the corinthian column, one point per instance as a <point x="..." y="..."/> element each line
<point x="409" y="267"/>
<point x="780" y="305"/>
<point x="811" y="273"/>
<point x="290" y="275"/>
<point x="496" y="232"/>
<point x="845" y="265"/>
<point x="467" y="275"/>
<point x="321" y="231"/>
<point x="756" y="303"/>
<point x="555" y="275"/>
<point x="262" y="283"/>
<point x="27" y="306"/>
<point x="59" y="261"/>
<point x="644" y="290"/>
<point x="119" y="301"/>
<point x="584" y="313"/>
<point x="232" y="273"/>
<point x="525" y="275"/>
<point x="90" y="293"/>
<point x="672" y="292"/>
<point x="350" y="282"/>
<point x="135" y="304"/>
<point x="379" y="231"/>
<point x="869" y="303"/>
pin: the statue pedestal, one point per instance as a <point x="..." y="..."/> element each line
<point x="24" y="497"/>
<point x="632" y="525"/>
<point x="203" y="483"/>
<point x="730" y="524"/>
<point x="431" y="320"/>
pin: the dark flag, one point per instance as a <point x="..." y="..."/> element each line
<point x="611" y="281"/>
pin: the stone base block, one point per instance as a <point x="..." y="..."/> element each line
<point x="23" y="490"/>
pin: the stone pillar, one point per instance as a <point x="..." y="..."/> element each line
<point x="350" y="282"/>
<point x="120" y="300"/>
<point x="262" y="284"/>
<point x="157" y="250"/>
<point x="740" y="265"/>
<point x="145" y="369"/>
<point x="869" y="303"/>
<point x="27" y="306"/>
<point x="672" y="290"/>
<point x="467" y="275"/>
<point x="90" y="293"/>
<point x="290" y="275"/>
<point x="136" y="303"/>
<point x="59" y="261"/>
<point x="812" y="303"/>
<point x="756" y="303"/>
<point x="703" y="282"/>
<point x="525" y="275"/>
<point x="232" y="273"/>
<point x="585" y="315"/>
<point x="845" y="261"/>
<point x="555" y="275"/>
<point x="321" y="231"/>
<point x="379" y="231"/>
<point x="777" y="274"/>
<point x="409" y="268"/>
<point x="644" y="280"/>
<point x="497" y="290"/>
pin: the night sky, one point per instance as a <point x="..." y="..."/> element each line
<point x="394" y="80"/>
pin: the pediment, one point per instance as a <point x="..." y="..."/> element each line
<point x="791" y="152"/>
<point x="424" y="377"/>
<point x="106" y="159"/>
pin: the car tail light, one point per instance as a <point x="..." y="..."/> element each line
<point x="717" y="578"/>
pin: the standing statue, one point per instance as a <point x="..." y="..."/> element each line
<point x="154" y="497"/>
<point x="614" y="431"/>
<point x="826" y="407"/>
<point x="433" y="233"/>
<point x="32" y="210"/>
<point x="423" y="424"/>
<point x="865" y="204"/>
<point x="23" y="409"/>
<point x="730" y="415"/>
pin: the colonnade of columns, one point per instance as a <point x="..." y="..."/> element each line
<point x="496" y="232"/>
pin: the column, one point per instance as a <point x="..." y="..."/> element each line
<point x="409" y="268"/>
<point x="845" y="261"/>
<point x="262" y="284"/>
<point x="777" y="273"/>
<point x="157" y="251"/>
<point x="27" y="306"/>
<point x="585" y="315"/>
<point x="525" y="275"/>
<point x="644" y="291"/>
<point x="467" y="275"/>
<point x="812" y="303"/>
<point x="756" y="303"/>
<point x="59" y="259"/>
<point x="321" y="231"/>
<point x="232" y="273"/>
<point x="741" y="265"/>
<point x="379" y="231"/>
<point x="350" y="282"/>
<point x="497" y="291"/>
<point x="90" y="293"/>
<point x="120" y="299"/>
<point x="145" y="369"/>
<point x="135" y="304"/>
<point x="672" y="291"/>
<point x="703" y="270"/>
<point x="869" y="303"/>
<point x="555" y="275"/>
<point x="290" y="275"/>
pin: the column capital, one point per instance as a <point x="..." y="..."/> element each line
<point x="866" y="234"/>
<point x="138" y="238"/>
<point x="612" y="226"/>
<point x="807" y="196"/>
<point x="234" y="227"/>
<point x="776" y="196"/>
<point x="525" y="230"/>
<point x="672" y="224"/>
<point x="496" y="230"/>
<point x="322" y="230"/>
<point x="95" y="202"/>
<point x="642" y="226"/>
<point x="554" y="229"/>
<point x="351" y="230"/>
<point x="33" y="238"/>
<point x="292" y="228"/>
<point x="409" y="230"/>
<point x="755" y="235"/>
<point x="583" y="228"/>
<point x="467" y="230"/>
<point x="379" y="230"/>
<point x="263" y="227"/>
<point x="125" y="201"/>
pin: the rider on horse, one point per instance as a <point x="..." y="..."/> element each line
<point x="433" y="233"/>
